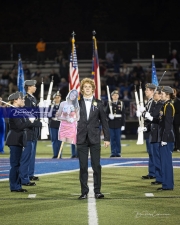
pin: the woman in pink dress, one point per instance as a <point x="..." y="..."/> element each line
<point x="68" y="114"/>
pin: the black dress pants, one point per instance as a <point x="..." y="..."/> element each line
<point x="83" y="152"/>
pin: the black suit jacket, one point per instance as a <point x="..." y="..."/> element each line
<point x="91" y="128"/>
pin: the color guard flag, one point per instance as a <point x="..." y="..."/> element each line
<point x="20" y="77"/>
<point x="74" y="82"/>
<point x="95" y="68"/>
<point x="154" y="76"/>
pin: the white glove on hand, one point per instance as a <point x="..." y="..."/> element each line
<point x="47" y="103"/>
<point x="46" y="120"/>
<point x="142" y="129"/>
<point x="138" y="113"/>
<point x="111" y="116"/>
<point x="41" y="104"/>
<point x="148" y="116"/>
<point x="163" y="143"/>
<point x="142" y="109"/>
<point x="32" y="118"/>
<point x="44" y="124"/>
<point x="70" y="120"/>
<point x="123" y="128"/>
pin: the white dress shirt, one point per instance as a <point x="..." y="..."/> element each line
<point x="88" y="106"/>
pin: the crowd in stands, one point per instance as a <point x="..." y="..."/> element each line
<point x="114" y="72"/>
<point x="8" y="78"/>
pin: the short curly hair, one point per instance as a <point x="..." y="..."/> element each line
<point x="89" y="81"/>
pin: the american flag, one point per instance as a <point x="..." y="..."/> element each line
<point x="95" y="70"/>
<point x="20" y="77"/>
<point x="154" y="76"/>
<point x="74" y="82"/>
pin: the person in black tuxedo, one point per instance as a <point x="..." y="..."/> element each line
<point x="92" y="117"/>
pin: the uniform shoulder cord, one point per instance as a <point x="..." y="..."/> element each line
<point x="171" y="106"/>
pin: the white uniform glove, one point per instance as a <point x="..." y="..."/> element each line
<point x="32" y="118"/>
<point x="148" y="116"/>
<point x="41" y="104"/>
<point x="47" y="103"/>
<point x="111" y="116"/>
<point x="142" y="129"/>
<point x="123" y="128"/>
<point x="46" y="120"/>
<point x="142" y="109"/>
<point x="163" y="143"/>
<point x="138" y="113"/>
<point x="44" y="124"/>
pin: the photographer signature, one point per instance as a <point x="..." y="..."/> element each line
<point x="26" y="112"/>
<point x="149" y="214"/>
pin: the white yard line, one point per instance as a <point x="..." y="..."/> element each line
<point x="92" y="211"/>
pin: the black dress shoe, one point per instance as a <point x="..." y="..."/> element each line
<point x="118" y="155"/>
<point x="34" y="178"/>
<point x="156" y="183"/>
<point x="164" y="189"/>
<point x="83" y="196"/>
<point x="19" y="190"/>
<point x="112" y="156"/>
<point x="74" y="156"/>
<point x="54" y="157"/>
<point x="99" y="195"/>
<point x="148" y="177"/>
<point x="30" y="184"/>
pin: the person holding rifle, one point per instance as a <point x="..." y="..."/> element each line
<point x="149" y="92"/>
<point x="54" y="124"/>
<point x="31" y="102"/>
<point x="166" y="137"/>
<point x="154" y="134"/>
<point x="116" y="123"/>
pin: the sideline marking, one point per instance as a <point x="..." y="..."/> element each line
<point x="31" y="195"/>
<point x="92" y="211"/>
<point x="149" y="194"/>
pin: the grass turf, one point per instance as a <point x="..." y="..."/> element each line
<point x="125" y="201"/>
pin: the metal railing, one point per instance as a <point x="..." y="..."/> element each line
<point x="128" y="49"/>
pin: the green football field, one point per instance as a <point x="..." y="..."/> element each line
<point x="128" y="198"/>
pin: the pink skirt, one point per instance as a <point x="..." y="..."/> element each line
<point x="67" y="130"/>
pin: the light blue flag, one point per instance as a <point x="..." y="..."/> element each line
<point x="20" y="78"/>
<point x="154" y="75"/>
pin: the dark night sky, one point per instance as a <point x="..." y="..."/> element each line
<point x="27" y="21"/>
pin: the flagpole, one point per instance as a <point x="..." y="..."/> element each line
<point x="95" y="67"/>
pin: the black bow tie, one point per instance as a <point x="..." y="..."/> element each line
<point x="88" y="99"/>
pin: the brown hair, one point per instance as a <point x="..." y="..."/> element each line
<point x="89" y="81"/>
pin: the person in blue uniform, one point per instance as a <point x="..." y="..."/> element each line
<point x="116" y="123"/>
<point x="17" y="140"/>
<point x="153" y="136"/>
<point x="28" y="151"/>
<point x="2" y="128"/>
<point x="149" y="105"/>
<point x="54" y="124"/>
<point x="166" y="138"/>
<point x="31" y="102"/>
